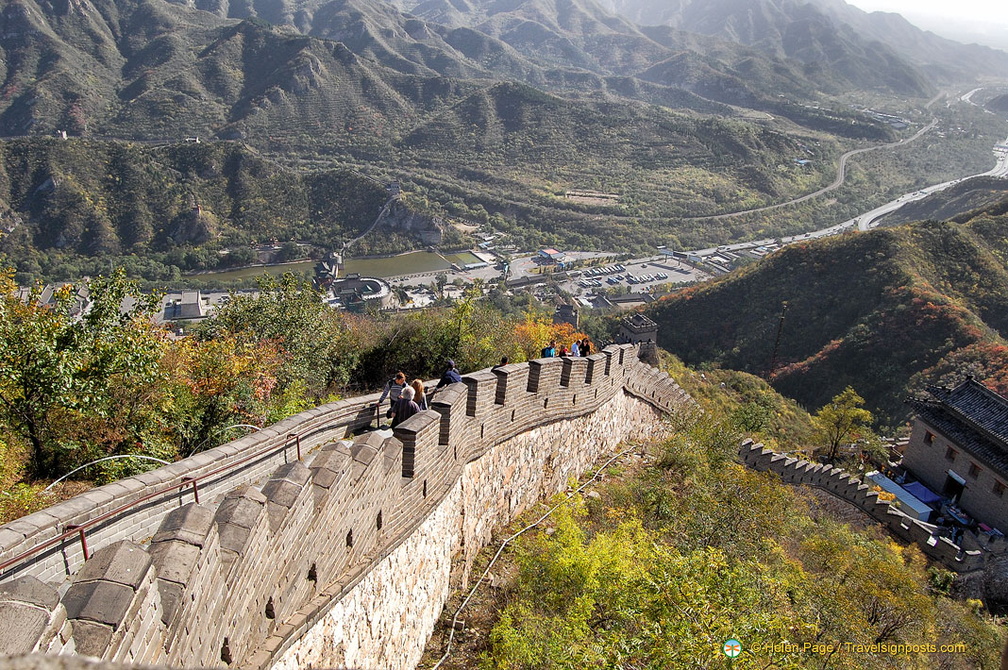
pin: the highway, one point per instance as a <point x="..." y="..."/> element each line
<point x="968" y="97"/>
<point x="837" y="183"/>
<point x="871" y="218"/>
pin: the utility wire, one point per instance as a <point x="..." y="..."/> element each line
<point x="505" y="543"/>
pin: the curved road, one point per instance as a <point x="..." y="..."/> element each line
<point x="837" y="183"/>
<point x="867" y="220"/>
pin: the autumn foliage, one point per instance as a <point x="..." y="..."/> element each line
<point x="886" y="312"/>
<point x="75" y="387"/>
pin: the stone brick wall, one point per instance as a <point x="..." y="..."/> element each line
<point x="930" y="455"/>
<point x="972" y="553"/>
<point x="342" y="559"/>
<point x="316" y="426"/>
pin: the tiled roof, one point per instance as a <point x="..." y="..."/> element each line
<point x="972" y="416"/>
<point x="977" y="405"/>
<point x="638" y="322"/>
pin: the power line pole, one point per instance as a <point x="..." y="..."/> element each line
<point x="776" y="346"/>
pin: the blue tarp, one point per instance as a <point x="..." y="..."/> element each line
<point x="922" y="493"/>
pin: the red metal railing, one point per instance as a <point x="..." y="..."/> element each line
<point x="81" y="529"/>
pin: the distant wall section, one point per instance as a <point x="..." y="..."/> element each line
<point x="972" y="554"/>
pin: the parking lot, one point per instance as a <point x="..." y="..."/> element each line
<point x="639" y="276"/>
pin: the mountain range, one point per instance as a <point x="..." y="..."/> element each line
<point x="504" y="103"/>
<point x="152" y="68"/>
<point x="820" y="30"/>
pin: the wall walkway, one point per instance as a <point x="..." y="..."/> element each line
<point x="341" y="558"/>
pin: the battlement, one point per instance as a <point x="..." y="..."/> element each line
<point x="275" y="544"/>
<point x="972" y="554"/>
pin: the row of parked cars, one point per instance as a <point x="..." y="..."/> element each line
<point x="618" y="273"/>
<point x="644" y="279"/>
<point x="601" y="272"/>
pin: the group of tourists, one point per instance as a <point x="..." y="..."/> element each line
<point x="408" y="399"/>
<point x="580" y="347"/>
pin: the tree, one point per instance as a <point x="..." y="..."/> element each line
<point x="440" y="280"/>
<point x="289" y="251"/>
<point x="220" y="382"/>
<point x="402" y="296"/>
<point x="78" y="385"/>
<point x="842" y="420"/>
<point x="315" y="339"/>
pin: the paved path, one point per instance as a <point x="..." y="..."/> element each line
<point x="837" y="183"/>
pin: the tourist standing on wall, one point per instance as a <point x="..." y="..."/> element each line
<point x="575" y="349"/>
<point x="392" y="391"/>
<point x="549" y="351"/>
<point x="450" y="376"/>
<point x="404" y="407"/>
<point x="419" y="397"/>
<point x="586" y="346"/>
<point x="503" y="362"/>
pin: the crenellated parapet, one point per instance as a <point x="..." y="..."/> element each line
<point x="341" y="556"/>
<point x="967" y="556"/>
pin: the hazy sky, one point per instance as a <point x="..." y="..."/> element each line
<point x="984" y="21"/>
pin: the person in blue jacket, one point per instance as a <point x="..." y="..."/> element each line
<point x="450" y="376"/>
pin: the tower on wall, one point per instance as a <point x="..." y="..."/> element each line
<point x="567" y="313"/>
<point x="639" y="329"/>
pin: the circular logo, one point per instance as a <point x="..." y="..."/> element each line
<point x="732" y="648"/>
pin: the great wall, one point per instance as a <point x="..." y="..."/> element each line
<point x="303" y="546"/>
<point x="298" y="547"/>
<point x="973" y="553"/>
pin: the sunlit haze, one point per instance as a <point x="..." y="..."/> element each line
<point x="982" y="21"/>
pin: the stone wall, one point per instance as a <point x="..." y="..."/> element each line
<point x="342" y="558"/>
<point x="314" y="427"/>
<point x="972" y="554"/>
<point x="365" y="628"/>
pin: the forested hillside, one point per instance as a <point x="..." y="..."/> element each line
<point x="153" y="208"/>
<point x="884" y="312"/>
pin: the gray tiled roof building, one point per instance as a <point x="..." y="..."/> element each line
<point x="959" y="447"/>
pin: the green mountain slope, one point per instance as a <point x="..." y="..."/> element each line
<point x="99" y="198"/>
<point x="883" y="311"/>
